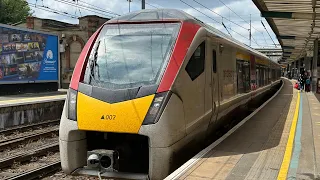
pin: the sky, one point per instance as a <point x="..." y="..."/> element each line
<point x="235" y="14"/>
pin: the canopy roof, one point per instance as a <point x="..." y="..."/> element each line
<point x="296" y="24"/>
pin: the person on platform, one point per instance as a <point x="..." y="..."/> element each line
<point x="308" y="83"/>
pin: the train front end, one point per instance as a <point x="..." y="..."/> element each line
<point x="112" y="119"/>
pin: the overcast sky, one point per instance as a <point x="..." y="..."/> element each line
<point x="212" y="10"/>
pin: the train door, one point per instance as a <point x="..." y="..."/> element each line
<point x="214" y="57"/>
<point x="209" y="83"/>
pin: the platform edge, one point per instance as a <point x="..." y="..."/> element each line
<point x="186" y="166"/>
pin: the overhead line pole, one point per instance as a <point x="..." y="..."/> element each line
<point x="129" y="4"/>
<point x="143" y="4"/>
<point x="250" y="31"/>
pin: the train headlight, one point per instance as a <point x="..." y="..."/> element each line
<point x="72" y="104"/>
<point x="156" y="108"/>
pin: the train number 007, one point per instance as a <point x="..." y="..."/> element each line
<point x="110" y="117"/>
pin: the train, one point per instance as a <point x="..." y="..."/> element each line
<point x="149" y="84"/>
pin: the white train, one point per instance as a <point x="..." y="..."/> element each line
<point x="149" y="84"/>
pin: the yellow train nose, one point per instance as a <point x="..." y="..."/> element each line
<point x="121" y="117"/>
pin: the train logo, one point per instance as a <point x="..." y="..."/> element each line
<point x="49" y="59"/>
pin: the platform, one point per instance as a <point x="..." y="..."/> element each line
<point x="30" y="108"/>
<point x="32" y="98"/>
<point x="281" y="141"/>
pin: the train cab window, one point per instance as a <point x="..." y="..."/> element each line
<point x="214" y="61"/>
<point x="195" y="66"/>
<point x="130" y="55"/>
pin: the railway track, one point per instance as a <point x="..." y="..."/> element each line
<point x="24" y="128"/>
<point x="13" y="142"/>
<point x="32" y="154"/>
<point x="38" y="172"/>
<point x="29" y="155"/>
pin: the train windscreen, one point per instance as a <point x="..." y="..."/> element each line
<point x="130" y="55"/>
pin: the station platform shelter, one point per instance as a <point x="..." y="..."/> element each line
<point x="296" y="26"/>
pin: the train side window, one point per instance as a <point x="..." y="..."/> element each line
<point x="214" y="61"/>
<point x="195" y="66"/>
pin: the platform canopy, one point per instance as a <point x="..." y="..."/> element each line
<point x="296" y="24"/>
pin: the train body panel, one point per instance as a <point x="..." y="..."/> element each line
<point x="165" y="133"/>
<point x="72" y="144"/>
<point x="121" y="117"/>
<point x="191" y="79"/>
<point x="146" y="90"/>
<point x="186" y="37"/>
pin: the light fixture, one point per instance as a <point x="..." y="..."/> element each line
<point x="221" y="47"/>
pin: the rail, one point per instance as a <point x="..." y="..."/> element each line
<point x="38" y="172"/>
<point x="27" y="156"/>
<point x="13" y="142"/>
<point x="24" y="128"/>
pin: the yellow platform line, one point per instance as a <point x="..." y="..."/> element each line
<point x="288" y="153"/>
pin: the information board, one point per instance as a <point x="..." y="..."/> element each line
<point x="27" y="56"/>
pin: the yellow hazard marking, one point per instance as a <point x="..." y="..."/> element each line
<point x="287" y="155"/>
<point x="122" y="117"/>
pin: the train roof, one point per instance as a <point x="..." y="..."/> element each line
<point x="148" y="15"/>
<point x="154" y="15"/>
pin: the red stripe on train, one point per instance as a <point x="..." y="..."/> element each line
<point x="78" y="72"/>
<point x="185" y="37"/>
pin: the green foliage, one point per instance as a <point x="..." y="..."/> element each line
<point x="14" y="11"/>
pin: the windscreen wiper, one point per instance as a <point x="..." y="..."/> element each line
<point x="94" y="63"/>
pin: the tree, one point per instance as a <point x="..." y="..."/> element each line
<point x="14" y="11"/>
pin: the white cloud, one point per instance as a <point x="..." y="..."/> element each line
<point x="242" y="7"/>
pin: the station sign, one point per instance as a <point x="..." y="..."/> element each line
<point x="27" y="56"/>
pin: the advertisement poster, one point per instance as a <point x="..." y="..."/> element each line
<point x="27" y="56"/>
